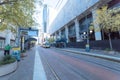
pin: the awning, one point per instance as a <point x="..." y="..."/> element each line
<point x="31" y="39"/>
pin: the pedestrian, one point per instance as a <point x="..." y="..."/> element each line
<point x="7" y="50"/>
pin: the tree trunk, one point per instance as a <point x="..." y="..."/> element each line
<point x="110" y="42"/>
<point x="102" y="34"/>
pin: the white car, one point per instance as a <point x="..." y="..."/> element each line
<point x="46" y="45"/>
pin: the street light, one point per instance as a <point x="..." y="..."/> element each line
<point x="91" y="31"/>
<point x="84" y="33"/>
<point x="88" y="43"/>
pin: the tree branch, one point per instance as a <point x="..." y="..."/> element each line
<point x="8" y="2"/>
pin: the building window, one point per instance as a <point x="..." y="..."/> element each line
<point x="72" y="30"/>
<point x="1" y="44"/>
<point x="72" y="33"/>
<point x="63" y="33"/>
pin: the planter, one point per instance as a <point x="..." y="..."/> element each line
<point x="8" y="68"/>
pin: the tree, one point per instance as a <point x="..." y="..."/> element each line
<point x="17" y="13"/>
<point x="2" y="2"/>
<point x="51" y="40"/>
<point x="108" y="20"/>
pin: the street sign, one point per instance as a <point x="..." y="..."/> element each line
<point x="30" y="32"/>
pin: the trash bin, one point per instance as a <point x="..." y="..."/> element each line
<point x="16" y="53"/>
<point x="87" y="47"/>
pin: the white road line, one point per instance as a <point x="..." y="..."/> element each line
<point x="39" y="73"/>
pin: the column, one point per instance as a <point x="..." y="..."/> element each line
<point x="77" y="30"/>
<point x="60" y="34"/>
<point x="66" y="33"/>
<point x="96" y="26"/>
<point x="55" y="36"/>
<point x="8" y="37"/>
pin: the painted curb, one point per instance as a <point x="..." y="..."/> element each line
<point x="8" y="68"/>
<point x="116" y="59"/>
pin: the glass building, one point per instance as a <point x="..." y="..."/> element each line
<point x="74" y="19"/>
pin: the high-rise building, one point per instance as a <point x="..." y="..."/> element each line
<point x="45" y="17"/>
<point x="73" y="21"/>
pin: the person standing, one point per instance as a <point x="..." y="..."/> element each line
<point x="7" y="50"/>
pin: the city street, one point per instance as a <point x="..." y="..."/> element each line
<point x="59" y="39"/>
<point x="54" y="64"/>
<point x="69" y="66"/>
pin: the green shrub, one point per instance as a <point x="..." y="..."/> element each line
<point x="7" y="59"/>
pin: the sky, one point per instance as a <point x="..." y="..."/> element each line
<point x="54" y="7"/>
<point x="53" y="10"/>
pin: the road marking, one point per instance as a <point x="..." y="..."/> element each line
<point x="39" y="73"/>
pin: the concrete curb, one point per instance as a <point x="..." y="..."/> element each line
<point x="8" y="68"/>
<point x="116" y="59"/>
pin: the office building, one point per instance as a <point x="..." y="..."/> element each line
<point x="74" y="19"/>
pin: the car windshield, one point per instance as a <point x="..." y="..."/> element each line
<point x="47" y="44"/>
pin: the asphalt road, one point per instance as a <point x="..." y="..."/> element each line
<point x="61" y="65"/>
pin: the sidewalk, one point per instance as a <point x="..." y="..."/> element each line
<point x="109" y="55"/>
<point x="25" y="68"/>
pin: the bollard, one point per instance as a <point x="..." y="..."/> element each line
<point x="87" y="47"/>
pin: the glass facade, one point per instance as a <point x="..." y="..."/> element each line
<point x="72" y="9"/>
<point x="72" y="33"/>
<point x="85" y="18"/>
<point x="71" y="30"/>
<point x="63" y="33"/>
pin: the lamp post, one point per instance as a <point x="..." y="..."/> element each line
<point x="88" y="42"/>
